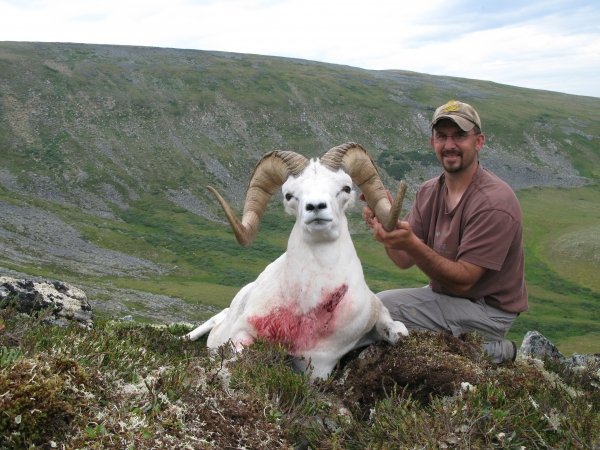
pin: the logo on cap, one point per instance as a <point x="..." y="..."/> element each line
<point x="451" y="106"/>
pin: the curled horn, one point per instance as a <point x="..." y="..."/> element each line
<point x="358" y="164"/>
<point x="268" y="176"/>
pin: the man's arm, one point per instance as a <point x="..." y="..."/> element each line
<point x="400" y="258"/>
<point x="405" y="249"/>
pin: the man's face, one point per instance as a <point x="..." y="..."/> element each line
<point x="455" y="149"/>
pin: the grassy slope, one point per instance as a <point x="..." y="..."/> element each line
<point x="136" y="101"/>
<point x="97" y="114"/>
<point x="563" y="279"/>
<point x="144" y="388"/>
<point x="209" y="266"/>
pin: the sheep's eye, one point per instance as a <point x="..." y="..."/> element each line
<point x="288" y="196"/>
<point x="347" y="189"/>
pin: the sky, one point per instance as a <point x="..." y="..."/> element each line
<point x="541" y="44"/>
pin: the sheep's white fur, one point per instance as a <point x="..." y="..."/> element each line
<point x="314" y="297"/>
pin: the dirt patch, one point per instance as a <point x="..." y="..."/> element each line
<point x="233" y="422"/>
<point x="425" y="364"/>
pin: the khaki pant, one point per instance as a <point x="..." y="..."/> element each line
<point x="421" y="308"/>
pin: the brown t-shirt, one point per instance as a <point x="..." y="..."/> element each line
<point x="483" y="229"/>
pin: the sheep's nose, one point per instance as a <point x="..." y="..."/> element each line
<point x="313" y="207"/>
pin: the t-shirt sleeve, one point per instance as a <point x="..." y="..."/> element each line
<point x="487" y="238"/>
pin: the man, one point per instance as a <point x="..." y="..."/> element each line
<point x="465" y="232"/>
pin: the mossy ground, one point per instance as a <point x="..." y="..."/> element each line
<point x="126" y="385"/>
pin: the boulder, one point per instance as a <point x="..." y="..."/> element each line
<point x="536" y="345"/>
<point x="59" y="303"/>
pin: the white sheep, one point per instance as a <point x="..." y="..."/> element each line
<point x="313" y="298"/>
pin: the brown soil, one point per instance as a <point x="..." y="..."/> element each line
<point x="424" y="364"/>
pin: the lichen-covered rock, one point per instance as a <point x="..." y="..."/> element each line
<point x="578" y="361"/>
<point x="536" y="345"/>
<point x="62" y="301"/>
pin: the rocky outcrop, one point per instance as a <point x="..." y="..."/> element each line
<point x="31" y="235"/>
<point x="536" y="345"/>
<point x="55" y="302"/>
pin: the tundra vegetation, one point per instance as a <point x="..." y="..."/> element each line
<point x="127" y="385"/>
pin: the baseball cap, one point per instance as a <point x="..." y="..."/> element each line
<point x="462" y="114"/>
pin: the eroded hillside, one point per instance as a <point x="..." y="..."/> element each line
<point x="106" y="152"/>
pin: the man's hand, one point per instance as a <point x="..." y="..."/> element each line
<point x="405" y="249"/>
<point x="400" y="238"/>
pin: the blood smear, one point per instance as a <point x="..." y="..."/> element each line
<point x="297" y="331"/>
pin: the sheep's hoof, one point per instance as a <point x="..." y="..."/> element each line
<point x="395" y="331"/>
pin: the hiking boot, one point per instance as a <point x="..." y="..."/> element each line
<point x="501" y="351"/>
<point x="514" y="347"/>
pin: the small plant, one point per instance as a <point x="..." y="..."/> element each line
<point x="9" y="355"/>
<point x="267" y="369"/>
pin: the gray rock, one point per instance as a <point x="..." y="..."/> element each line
<point x="62" y="302"/>
<point x="579" y="362"/>
<point x="536" y="345"/>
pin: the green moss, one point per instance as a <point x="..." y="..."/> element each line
<point x="41" y="397"/>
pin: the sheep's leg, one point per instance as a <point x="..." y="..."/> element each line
<point x="206" y="326"/>
<point x="390" y="330"/>
<point x="242" y="339"/>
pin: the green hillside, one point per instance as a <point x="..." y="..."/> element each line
<point x="106" y="152"/>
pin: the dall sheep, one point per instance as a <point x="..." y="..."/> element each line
<point x="313" y="298"/>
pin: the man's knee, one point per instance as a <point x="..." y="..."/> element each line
<point x="396" y="303"/>
<point x="387" y="298"/>
<point x="409" y="306"/>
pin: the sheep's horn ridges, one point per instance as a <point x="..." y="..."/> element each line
<point x="269" y="174"/>
<point x="355" y="160"/>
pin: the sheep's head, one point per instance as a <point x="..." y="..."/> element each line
<point x="332" y="175"/>
<point x="318" y="198"/>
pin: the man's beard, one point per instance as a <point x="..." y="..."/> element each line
<point x="454" y="166"/>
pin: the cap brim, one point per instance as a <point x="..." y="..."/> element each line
<point x="464" y="124"/>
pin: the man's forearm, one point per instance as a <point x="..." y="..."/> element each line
<point x="456" y="277"/>
<point x="400" y="258"/>
<point x="405" y="249"/>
